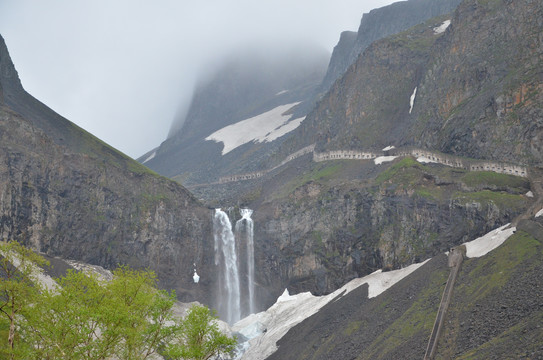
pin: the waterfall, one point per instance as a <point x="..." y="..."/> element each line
<point x="244" y="231"/>
<point x="235" y="262"/>
<point x="226" y="260"/>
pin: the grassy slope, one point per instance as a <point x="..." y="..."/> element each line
<point x="496" y="310"/>
<point x="495" y="313"/>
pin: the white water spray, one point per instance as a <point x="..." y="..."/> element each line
<point x="226" y="260"/>
<point x="244" y="234"/>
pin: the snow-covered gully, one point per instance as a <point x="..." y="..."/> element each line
<point x="262" y="331"/>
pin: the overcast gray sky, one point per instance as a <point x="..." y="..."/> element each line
<point x="121" y="68"/>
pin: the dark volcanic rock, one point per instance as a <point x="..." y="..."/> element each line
<point x="65" y="193"/>
<point x="321" y="234"/>
<point x="349" y="327"/>
<point x="378" y="24"/>
<point x="495" y="313"/>
<point x="482" y="94"/>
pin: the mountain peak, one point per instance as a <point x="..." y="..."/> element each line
<point x="9" y="78"/>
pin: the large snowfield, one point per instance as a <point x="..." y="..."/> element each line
<point x="290" y="310"/>
<point x="265" y="328"/>
<point x="265" y="127"/>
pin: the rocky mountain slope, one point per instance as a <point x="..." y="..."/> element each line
<point x="347" y="218"/>
<point x="65" y="193"/>
<point x="252" y="83"/>
<point x="467" y="84"/>
<point x="318" y="225"/>
<point x="377" y="24"/>
<point x="449" y="85"/>
<point x="495" y="311"/>
<point x="472" y="88"/>
<point x="243" y="86"/>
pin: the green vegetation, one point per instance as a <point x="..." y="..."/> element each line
<point x="420" y="37"/>
<point x="352" y="327"/>
<point x="486" y="279"/>
<point x="419" y="318"/>
<point x="488" y="178"/>
<point x="496" y="268"/>
<point x="16" y="291"/>
<point x="252" y="195"/>
<point x="85" y="318"/>
<point x="525" y="335"/>
<point x="406" y="172"/>
<point x="320" y="173"/>
<point x="88" y="144"/>
<point x="501" y="199"/>
<point x="201" y="338"/>
<point x="432" y="193"/>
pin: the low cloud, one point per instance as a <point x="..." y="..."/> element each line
<point x="123" y="70"/>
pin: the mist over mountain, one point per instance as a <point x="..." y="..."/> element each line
<point x="430" y="138"/>
<point x="250" y="82"/>
<point x="377" y="24"/>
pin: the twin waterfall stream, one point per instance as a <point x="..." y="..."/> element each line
<point x="234" y="258"/>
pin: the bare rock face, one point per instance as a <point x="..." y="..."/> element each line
<point x="368" y="108"/>
<point x="474" y="89"/>
<point x="482" y="93"/>
<point x="322" y="235"/>
<point x="378" y="24"/>
<point x="77" y="198"/>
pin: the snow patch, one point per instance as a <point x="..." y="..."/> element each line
<point x="539" y="213"/>
<point x="379" y="281"/>
<point x="265" y="328"/>
<point x="265" y="127"/>
<point x="36" y="273"/>
<point x="530" y="194"/>
<point x="390" y="147"/>
<point x="424" y="159"/>
<point x="281" y="92"/>
<point x="150" y="157"/>
<point x="486" y="243"/>
<point x="441" y="28"/>
<point x="382" y="159"/>
<point x="412" y="100"/>
<point x="282" y="130"/>
<point x="92" y="270"/>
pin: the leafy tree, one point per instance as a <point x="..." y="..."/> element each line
<point x="125" y="318"/>
<point x="19" y="289"/>
<point x="143" y="313"/>
<point x="200" y="337"/>
<point x="68" y="323"/>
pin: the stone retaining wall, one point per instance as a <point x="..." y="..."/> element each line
<point x="344" y="154"/>
<point x="429" y="156"/>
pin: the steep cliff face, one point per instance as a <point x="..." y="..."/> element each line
<point x="473" y="88"/>
<point x="319" y="233"/>
<point x="482" y="93"/>
<point x="368" y="108"/>
<point x="340" y="59"/>
<point x="378" y="24"/>
<point x="77" y="198"/>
